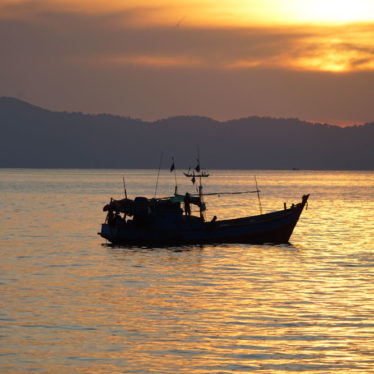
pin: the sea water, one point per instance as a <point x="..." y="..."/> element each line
<point x="71" y="303"/>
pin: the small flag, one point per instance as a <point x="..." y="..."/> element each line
<point x="193" y="180"/>
<point x="197" y="168"/>
<point x="172" y="167"/>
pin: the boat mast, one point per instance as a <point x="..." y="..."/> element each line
<point x="158" y="174"/>
<point x="124" y="186"/>
<point x="202" y="204"/>
<point x="258" y="196"/>
<point x="172" y="168"/>
<point x="198" y="169"/>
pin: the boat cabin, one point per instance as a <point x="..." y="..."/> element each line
<point x="154" y="211"/>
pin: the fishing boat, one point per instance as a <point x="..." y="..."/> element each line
<point x="191" y="173"/>
<point x="162" y="221"/>
<point x="203" y="174"/>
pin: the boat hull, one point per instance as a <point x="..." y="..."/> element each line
<point x="275" y="227"/>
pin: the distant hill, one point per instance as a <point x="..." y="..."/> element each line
<point x="35" y="137"/>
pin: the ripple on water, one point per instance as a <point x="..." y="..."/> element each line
<point x="70" y="303"/>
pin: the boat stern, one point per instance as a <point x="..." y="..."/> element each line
<point x="108" y="232"/>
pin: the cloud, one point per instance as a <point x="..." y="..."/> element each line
<point x="110" y="62"/>
<point x="139" y="61"/>
<point x="330" y="49"/>
<point x="114" y="38"/>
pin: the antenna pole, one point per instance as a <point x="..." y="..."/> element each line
<point x="124" y="186"/>
<point x="198" y="160"/>
<point x="258" y="196"/>
<point x="175" y="177"/>
<point x="202" y="205"/>
<point x="158" y="174"/>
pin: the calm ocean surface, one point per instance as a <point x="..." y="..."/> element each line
<point x="72" y="304"/>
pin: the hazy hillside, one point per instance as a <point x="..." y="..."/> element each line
<point x="35" y="137"/>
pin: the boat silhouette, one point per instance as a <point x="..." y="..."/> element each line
<point x="162" y="221"/>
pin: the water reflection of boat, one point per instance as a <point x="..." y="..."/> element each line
<point x="161" y="221"/>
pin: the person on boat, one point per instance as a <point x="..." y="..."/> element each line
<point x="117" y="219"/>
<point x="202" y="209"/>
<point x="110" y="218"/>
<point x="187" y="204"/>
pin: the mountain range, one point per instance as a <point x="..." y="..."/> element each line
<point x="33" y="137"/>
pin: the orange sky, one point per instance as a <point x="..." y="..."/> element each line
<point x="312" y="59"/>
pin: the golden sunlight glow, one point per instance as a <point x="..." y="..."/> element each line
<point x="329" y="62"/>
<point x="272" y="12"/>
<point x="141" y="61"/>
<point x="334" y="11"/>
<point x="208" y="13"/>
<point x="316" y="35"/>
<point x="351" y="51"/>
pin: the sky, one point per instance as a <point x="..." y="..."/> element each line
<point x="225" y="59"/>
